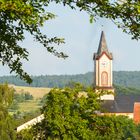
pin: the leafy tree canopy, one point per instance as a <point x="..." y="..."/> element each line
<point x="6" y="122"/>
<point x="73" y="114"/>
<point x="20" y="16"/>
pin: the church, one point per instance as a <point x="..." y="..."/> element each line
<point x="127" y="105"/>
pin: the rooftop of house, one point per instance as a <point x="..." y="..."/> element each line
<point x="121" y="104"/>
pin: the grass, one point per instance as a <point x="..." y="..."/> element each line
<point x="31" y="105"/>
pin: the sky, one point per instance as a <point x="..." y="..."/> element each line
<point x="82" y="40"/>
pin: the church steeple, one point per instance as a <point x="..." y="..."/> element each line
<point x="103" y="76"/>
<point x="102" y="45"/>
<point x="102" y="48"/>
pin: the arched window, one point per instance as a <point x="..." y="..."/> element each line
<point x="104" y="78"/>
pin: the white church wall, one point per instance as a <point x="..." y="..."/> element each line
<point x="105" y="65"/>
<point x="97" y="73"/>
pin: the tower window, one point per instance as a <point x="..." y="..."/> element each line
<point x="104" y="78"/>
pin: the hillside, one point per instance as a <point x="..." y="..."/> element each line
<point x="122" y="78"/>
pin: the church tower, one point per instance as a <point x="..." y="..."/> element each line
<point x="103" y="66"/>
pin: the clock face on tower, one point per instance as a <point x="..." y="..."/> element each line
<point x="104" y="63"/>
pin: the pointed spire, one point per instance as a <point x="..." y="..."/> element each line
<point x="102" y="45"/>
<point x="102" y="48"/>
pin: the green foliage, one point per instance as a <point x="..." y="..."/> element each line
<point x="51" y="81"/>
<point x="6" y="121"/>
<point x="28" y="96"/>
<point x="114" y="128"/>
<point x="7" y="126"/>
<point x="65" y="115"/>
<point x="73" y="114"/>
<point x="43" y="100"/>
<point x="6" y="95"/>
<point x="138" y="129"/>
<point x="14" y="106"/>
<point x="22" y="96"/>
<point x="127" y="78"/>
<point x="126" y="90"/>
<point x="16" y="17"/>
<point x="20" y="16"/>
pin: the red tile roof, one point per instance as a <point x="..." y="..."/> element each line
<point x="137" y="112"/>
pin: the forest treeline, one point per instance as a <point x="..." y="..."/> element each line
<point x="121" y="78"/>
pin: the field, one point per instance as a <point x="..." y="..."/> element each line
<point x="30" y="105"/>
<point x="37" y="93"/>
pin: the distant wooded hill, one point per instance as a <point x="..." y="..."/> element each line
<point x="122" y="78"/>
